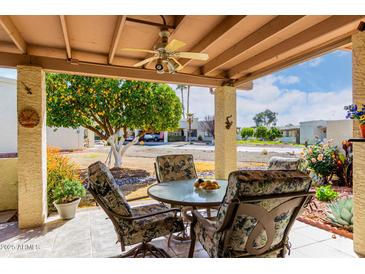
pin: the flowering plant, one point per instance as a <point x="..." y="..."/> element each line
<point x="321" y="159"/>
<point x="353" y="112"/>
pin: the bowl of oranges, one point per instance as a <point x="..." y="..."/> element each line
<point x="206" y="185"/>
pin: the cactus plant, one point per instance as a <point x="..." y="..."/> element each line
<point x="340" y="213"/>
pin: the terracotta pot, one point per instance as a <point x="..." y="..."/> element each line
<point x="362" y="130"/>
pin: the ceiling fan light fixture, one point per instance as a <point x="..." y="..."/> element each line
<point x="159" y="66"/>
<point x="172" y="66"/>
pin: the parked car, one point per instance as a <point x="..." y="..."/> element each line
<point x="129" y="138"/>
<point x="151" y="137"/>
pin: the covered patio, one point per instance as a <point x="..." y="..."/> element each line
<point x="240" y="49"/>
<point x="91" y="234"/>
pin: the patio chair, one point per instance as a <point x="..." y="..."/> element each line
<point x="286" y="163"/>
<point x="257" y="213"/>
<point x="175" y="167"/>
<point x="133" y="225"/>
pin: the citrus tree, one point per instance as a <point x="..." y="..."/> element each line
<point x="261" y="132"/>
<point x="109" y="107"/>
<point x="247" y="132"/>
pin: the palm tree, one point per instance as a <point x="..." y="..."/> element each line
<point x="189" y="115"/>
<point x="182" y="88"/>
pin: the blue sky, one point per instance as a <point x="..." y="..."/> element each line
<point x="314" y="90"/>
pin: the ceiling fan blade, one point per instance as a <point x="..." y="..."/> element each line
<point x="180" y="67"/>
<point x="145" y="61"/>
<point x="174" y="45"/>
<point x="139" y="50"/>
<point x="193" y="55"/>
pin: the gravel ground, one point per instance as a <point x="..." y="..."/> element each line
<point x="261" y="154"/>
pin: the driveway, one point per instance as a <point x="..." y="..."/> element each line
<point x="203" y="152"/>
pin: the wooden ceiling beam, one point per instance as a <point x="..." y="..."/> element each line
<point x="312" y="33"/>
<point x="116" y="37"/>
<point x="268" y="30"/>
<point x="227" y="24"/>
<point x="296" y="59"/>
<point x="148" y="23"/>
<point x="92" y="69"/>
<point x="9" y="27"/>
<point x="65" y="36"/>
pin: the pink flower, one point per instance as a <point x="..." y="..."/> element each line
<point x="313" y="160"/>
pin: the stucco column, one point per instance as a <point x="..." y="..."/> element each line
<point x="358" y="91"/>
<point x="225" y="131"/>
<point x="32" y="157"/>
<point x="358" y="74"/>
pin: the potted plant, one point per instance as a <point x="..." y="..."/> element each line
<point x="67" y="196"/>
<point x="354" y="113"/>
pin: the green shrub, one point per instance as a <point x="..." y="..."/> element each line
<point x="261" y="132"/>
<point x="68" y="191"/>
<point x="59" y="168"/>
<point x="273" y="133"/>
<point x="326" y="193"/>
<point x="247" y="132"/>
<point x="321" y="159"/>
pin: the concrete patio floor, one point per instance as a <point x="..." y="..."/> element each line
<point x="90" y="234"/>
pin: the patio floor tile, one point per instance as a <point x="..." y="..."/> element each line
<point x="298" y="240"/>
<point x="90" y="234"/>
<point x="315" y="233"/>
<point x="321" y="250"/>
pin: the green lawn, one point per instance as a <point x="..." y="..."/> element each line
<point x="259" y="142"/>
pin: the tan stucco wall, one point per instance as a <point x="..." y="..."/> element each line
<point x="358" y="74"/>
<point x="8" y="184"/>
<point x="32" y="164"/>
<point x="338" y="131"/>
<point x="358" y="94"/>
<point x="225" y="139"/>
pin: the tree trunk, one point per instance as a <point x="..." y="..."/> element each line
<point x="188" y="102"/>
<point x="118" y="149"/>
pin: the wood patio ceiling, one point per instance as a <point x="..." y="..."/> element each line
<point x="241" y="48"/>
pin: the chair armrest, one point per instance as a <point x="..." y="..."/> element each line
<point x="207" y="224"/>
<point x="137" y="198"/>
<point x="133" y="218"/>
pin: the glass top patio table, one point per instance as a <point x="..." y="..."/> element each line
<point x="183" y="193"/>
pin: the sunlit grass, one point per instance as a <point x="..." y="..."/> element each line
<point x="259" y="142"/>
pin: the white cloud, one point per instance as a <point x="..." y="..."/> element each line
<point x="293" y="105"/>
<point x="288" y="80"/>
<point x="315" y="62"/>
<point x="8" y="73"/>
<point x="201" y="101"/>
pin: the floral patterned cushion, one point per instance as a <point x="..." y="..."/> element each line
<point x="131" y="231"/>
<point x="146" y="229"/>
<point x="102" y="182"/>
<point x="243" y="184"/>
<point x="175" y="167"/>
<point x="284" y="163"/>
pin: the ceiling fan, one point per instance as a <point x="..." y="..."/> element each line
<point x="165" y="54"/>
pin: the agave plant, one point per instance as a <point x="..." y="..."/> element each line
<point x="340" y="213"/>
